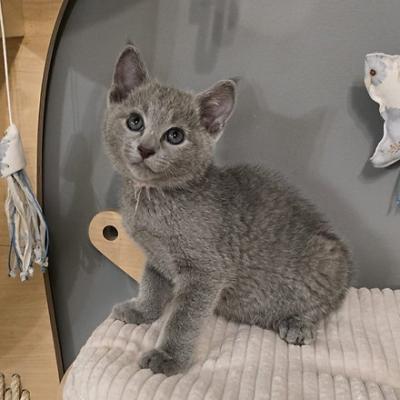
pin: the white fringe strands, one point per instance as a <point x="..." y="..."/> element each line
<point x="26" y="225"/>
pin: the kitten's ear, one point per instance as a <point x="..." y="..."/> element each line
<point x="216" y="106"/>
<point x="129" y="73"/>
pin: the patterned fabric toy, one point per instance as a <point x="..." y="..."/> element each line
<point x="382" y="79"/>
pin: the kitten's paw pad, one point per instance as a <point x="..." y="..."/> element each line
<point x="160" y="362"/>
<point x="126" y="313"/>
<point x="295" y="332"/>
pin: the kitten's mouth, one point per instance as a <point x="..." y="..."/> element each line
<point x="143" y="163"/>
<point x="142" y="173"/>
<point x="147" y="172"/>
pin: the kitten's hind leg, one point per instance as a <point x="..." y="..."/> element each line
<point x="154" y="293"/>
<point x="295" y="330"/>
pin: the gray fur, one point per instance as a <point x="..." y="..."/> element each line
<point x="235" y="241"/>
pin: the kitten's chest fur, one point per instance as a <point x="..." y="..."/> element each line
<point x="155" y="212"/>
<point x="169" y="225"/>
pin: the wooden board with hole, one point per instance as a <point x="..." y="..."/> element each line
<point x="108" y="235"/>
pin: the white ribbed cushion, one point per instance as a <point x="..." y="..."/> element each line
<point x="356" y="356"/>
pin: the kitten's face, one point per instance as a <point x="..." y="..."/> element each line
<point x="159" y="136"/>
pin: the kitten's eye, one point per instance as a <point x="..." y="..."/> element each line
<point x="174" y="136"/>
<point x="135" y="122"/>
<point x="372" y="72"/>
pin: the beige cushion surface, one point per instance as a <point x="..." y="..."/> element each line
<point x="355" y="356"/>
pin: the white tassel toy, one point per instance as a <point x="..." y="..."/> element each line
<point x="26" y="225"/>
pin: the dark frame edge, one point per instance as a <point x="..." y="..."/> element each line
<point x="39" y="171"/>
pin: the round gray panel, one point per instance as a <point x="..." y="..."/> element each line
<point x="302" y="109"/>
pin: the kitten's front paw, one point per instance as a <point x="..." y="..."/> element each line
<point x="160" y="362"/>
<point x="126" y="312"/>
<point x="294" y="331"/>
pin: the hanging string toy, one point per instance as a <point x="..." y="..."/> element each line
<point x="26" y="225"/>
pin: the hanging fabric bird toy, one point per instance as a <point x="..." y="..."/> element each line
<point x="382" y="80"/>
<point x="26" y="225"/>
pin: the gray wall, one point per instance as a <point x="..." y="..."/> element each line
<point x="302" y="109"/>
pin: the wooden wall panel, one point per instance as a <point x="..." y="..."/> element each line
<point x="26" y="341"/>
<point x="15" y="21"/>
<point x="26" y="344"/>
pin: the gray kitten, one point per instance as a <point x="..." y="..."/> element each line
<point x="238" y="241"/>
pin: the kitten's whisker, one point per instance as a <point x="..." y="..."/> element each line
<point x="162" y="192"/>
<point x="137" y="202"/>
<point x="148" y="193"/>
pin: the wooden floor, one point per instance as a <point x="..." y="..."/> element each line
<point x="26" y="341"/>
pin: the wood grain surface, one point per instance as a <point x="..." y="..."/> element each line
<point x="108" y="235"/>
<point x="27" y="344"/>
<point x="13" y="18"/>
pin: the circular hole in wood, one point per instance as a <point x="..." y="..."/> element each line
<point x="110" y="232"/>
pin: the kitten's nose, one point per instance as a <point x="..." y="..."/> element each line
<point x="145" y="152"/>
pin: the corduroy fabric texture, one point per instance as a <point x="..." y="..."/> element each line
<point x="356" y="355"/>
